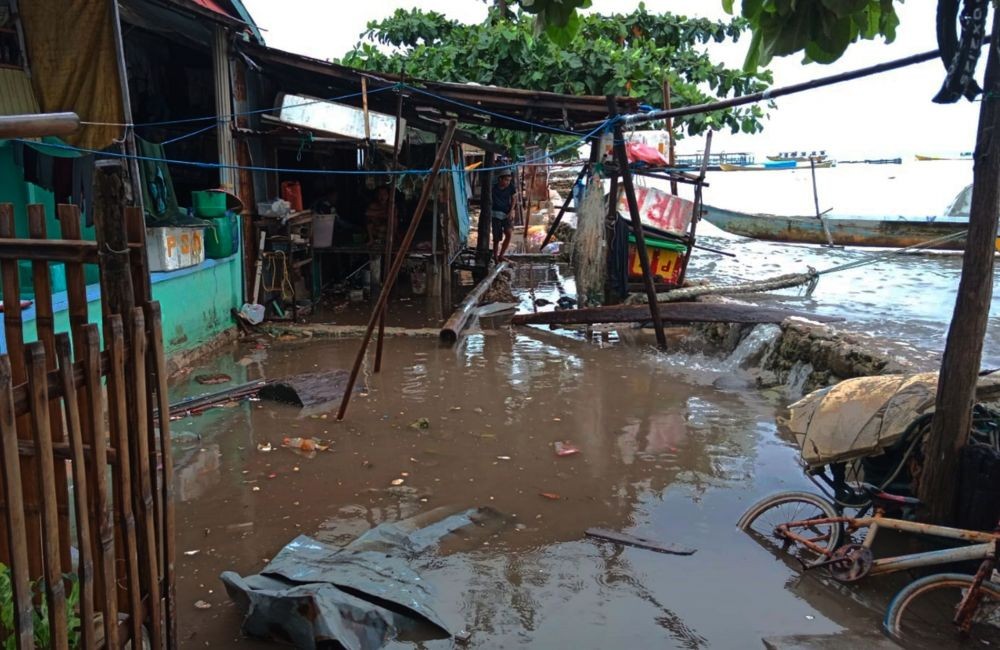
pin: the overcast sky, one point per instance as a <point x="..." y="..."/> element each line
<point x="888" y="115"/>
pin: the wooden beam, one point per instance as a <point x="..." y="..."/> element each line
<point x="670" y="312"/>
<point x="36" y="126"/>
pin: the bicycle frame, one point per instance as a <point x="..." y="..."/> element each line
<point x="984" y="545"/>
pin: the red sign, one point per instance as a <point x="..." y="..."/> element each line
<point x="661" y="209"/>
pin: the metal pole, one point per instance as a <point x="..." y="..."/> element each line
<point x="390" y="230"/>
<point x="397" y="263"/>
<point x="640" y="239"/>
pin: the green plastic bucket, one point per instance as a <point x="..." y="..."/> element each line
<point x="209" y="204"/>
<point x="222" y="237"/>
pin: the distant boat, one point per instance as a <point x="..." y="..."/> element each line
<point x="799" y="156"/>
<point x="883" y="232"/>
<point x="772" y="165"/>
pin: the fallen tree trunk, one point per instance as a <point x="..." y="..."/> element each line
<point x="456" y="323"/>
<point x="676" y="312"/>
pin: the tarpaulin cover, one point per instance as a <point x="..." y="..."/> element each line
<point x="360" y="596"/>
<point x="860" y="417"/>
<point x="74" y="67"/>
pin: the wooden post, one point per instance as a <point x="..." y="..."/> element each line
<point x="485" y="214"/>
<point x="963" y="349"/>
<point x="397" y="262"/>
<point x="640" y="238"/>
<point x="35" y="126"/>
<point x="390" y="229"/>
<point x="819" y="215"/>
<point x="112" y="239"/>
<point x="696" y="208"/>
<point x="569" y="197"/>
<point x="364" y="109"/>
<point x="671" y="157"/>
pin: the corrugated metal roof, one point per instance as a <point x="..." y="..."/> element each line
<point x="16" y="95"/>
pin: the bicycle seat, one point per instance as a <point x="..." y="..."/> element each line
<point x="878" y="494"/>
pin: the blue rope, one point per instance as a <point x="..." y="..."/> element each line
<point x="189" y="135"/>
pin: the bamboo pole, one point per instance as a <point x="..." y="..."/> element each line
<point x="640" y="238"/>
<point x="55" y="588"/>
<point x="14" y="519"/>
<point x="671" y="154"/>
<point x="696" y="209"/>
<point x="81" y="493"/>
<point x="105" y="556"/>
<point x="13" y="327"/>
<point x="397" y="263"/>
<point x="117" y="401"/>
<point x="154" y="319"/>
<point x="45" y="328"/>
<point x="139" y="433"/>
<point x="594" y="153"/>
<point x="819" y="215"/>
<point x="390" y="231"/>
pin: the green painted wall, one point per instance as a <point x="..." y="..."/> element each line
<point x="196" y="307"/>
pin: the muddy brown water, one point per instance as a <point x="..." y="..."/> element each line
<point x="664" y="454"/>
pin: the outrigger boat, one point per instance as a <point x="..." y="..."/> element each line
<point x="896" y="232"/>
<point x="799" y="156"/>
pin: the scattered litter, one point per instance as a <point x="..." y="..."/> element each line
<point x="372" y="579"/>
<point x="420" y="423"/>
<point x="201" y="604"/>
<point x="550" y="495"/>
<point x="264" y="446"/>
<point x="639" y="542"/>
<point x="503" y="457"/>
<point x="397" y="481"/>
<point x="217" y="378"/>
<point x="304" y="446"/>
<point x="463" y="636"/>
<point x="565" y="448"/>
<point x="194" y="552"/>
<point x="255" y="488"/>
<point x="455" y="408"/>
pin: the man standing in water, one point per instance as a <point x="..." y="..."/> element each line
<point x="503" y="197"/>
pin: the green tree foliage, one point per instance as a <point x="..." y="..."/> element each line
<point x="623" y="54"/>
<point x="822" y="29"/>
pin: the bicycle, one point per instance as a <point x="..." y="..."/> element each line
<point x="915" y="612"/>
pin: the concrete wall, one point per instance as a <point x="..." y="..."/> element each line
<point x="195" y="303"/>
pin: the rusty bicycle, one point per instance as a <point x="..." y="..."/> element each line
<point x="809" y="529"/>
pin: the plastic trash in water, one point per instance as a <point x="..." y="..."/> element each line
<point x="565" y="449"/>
<point x="304" y="446"/>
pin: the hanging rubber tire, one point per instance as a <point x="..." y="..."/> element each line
<point x="921" y="614"/>
<point x="760" y="521"/>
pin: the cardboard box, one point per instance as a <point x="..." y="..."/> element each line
<point x="169" y="249"/>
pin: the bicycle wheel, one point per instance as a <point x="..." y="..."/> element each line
<point x="921" y="614"/>
<point x="762" y="519"/>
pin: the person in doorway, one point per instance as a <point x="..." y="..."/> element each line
<point x="503" y="197"/>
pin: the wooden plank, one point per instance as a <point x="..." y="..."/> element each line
<point x="55" y="589"/>
<point x="136" y="372"/>
<point x="38" y="124"/>
<point x="94" y="434"/>
<point x="135" y="228"/>
<point x="14" y="338"/>
<point x="16" y="536"/>
<point x="670" y="312"/>
<point x="159" y="376"/>
<point x="638" y="542"/>
<point x="45" y="329"/>
<point x="117" y="391"/>
<point x="81" y="492"/>
<point x="117" y="292"/>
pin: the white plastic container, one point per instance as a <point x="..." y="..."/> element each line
<point x="169" y="249"/>
<point x="323" y="230"/>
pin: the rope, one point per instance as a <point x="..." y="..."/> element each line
<point x="786" y="281"/>
<point x="883" y="256"/>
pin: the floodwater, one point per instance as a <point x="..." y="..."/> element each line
<point x="665" y="454"/>
<point x="673" y="448"/>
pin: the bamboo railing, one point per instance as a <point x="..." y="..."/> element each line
<point x="85" y="479"/>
